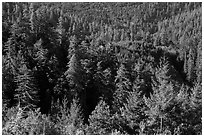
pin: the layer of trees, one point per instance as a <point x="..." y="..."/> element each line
<point x="102" y="68"/>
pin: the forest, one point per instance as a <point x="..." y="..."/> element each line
<point x="102" y="68"/>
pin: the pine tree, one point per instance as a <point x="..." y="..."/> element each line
<point x="164" y="36"/>
<point x="26" y="91"/>
<point x="134" y="112"/>
<point x="132" y="31"/>
<point x="186" y="113"/>
<point x="161" y="100"/>
<point x="32" y="18"/>
<point x="75" y="77"/>
<point x="199" y="63"/>
<point x="196" y="108"/>
<point x="123" y="86"/>
<point x="122" y="36"/>
<point x="9" y="69"/>
<point x="74" y="74"/>
<point x="100" y="120"/>
<point x="115" y="35"/>
<point x="10" y="49"/>
<point x="8" y="84"/>
<point x="25" y="12"/>
<point x="68" y="116"/>
<point x="76" y="114"/>
<point x="196" y="96"/>
<point x="185" y="66"/>
<point x="73" y="47"/>
<point x="40" y="53"/>
<point x="190" y="72"/>
<point x="60" y="28"/>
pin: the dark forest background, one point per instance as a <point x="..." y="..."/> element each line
<point x="102" y="68"/>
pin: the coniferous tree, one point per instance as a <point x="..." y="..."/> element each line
<point x="60" y="28"/>
<point x="185" y="66"/>
<point x="161" y="100"/>
<point x="73" y="74"/>
<point x="75" y="77"/>
<point x="198" y="63"/>
<point x="9" y="70"/>
<point x="196" y="108"/>
<point x="163" y="36"/>
<point x="26" y="91"/>
<point x="32" y="17"/>
<point x="115" y="37"/>
<point x="100" y="120"/>
<point x="190" y="73"/>
<point x="73" y="47"/>
<point x="112" y="51"/>
<point x="40" y="53"/>
<point x="8" y="83"/>
<point x="134" y="112"/>
<point x="185" y="114"/>
<point x="10" y="50"/>
<point x="122" y="36"/>
<point x="123" y="87"/>
<point x="132" y="31"/>
<point x="69" y="119"/>
<point x="196" y="96"/>
<point x="76" y="114"/>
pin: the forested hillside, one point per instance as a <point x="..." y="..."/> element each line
<point x="102" y="68"/>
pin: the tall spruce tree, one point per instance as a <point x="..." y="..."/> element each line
<point x="196" y="108"/>
<point x="75" y="76"/>
<point x="191" y="71"/>
<point x="26" y="91"/>
<point x="60" y="28"/>
<point x="123" y="87"/>
<point x="8" y="83"/>
<point x="199" y="63"/>
<point x="100" y="120"/>
<point x="32" y="17"/>
<point x="161" y="100"/>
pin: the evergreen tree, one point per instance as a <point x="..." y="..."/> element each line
<point x="60" y="28"/>
<point x="132" y="31"/>
<point x="190" y="72"/>
<point x="112" y="51"/>
<point x="8" y="84"/>
<point x="26" y="91"/>
<point x="199" y="63"/>
<point x="32" y="17"/>
<point x="185" y="66"/>
<point x="196" y="96"/>
<point x="69" y="119"/>
<point x="40" y="53"/>
<point x="160" y="101"/>
<point x="115" y="37"/>
<point x="186" y="113"/>
<point x="10" y="49"/>
<point x="100" y="120"/>
<point x="196" y="108"/>
<point x="74" y="74"/>
<point x="122" y="36"/>
<point x="76" y="114"/>
<point x="164" y="37"/>
<point x="123" y="87"/>
<point x="73" y="47"/>
<point x="75" y="78"/>
<point x="134" y="113"/>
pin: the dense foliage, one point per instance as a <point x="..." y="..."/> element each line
<point x="102" y="68"/>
